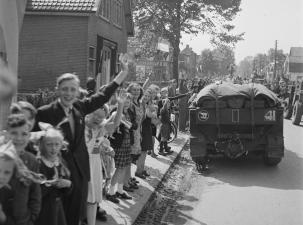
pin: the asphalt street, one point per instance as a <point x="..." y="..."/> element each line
<point x="246" y="192"/>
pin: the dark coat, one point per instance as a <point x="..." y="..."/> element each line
<point x="77" y="155"/>
<point x="117" y="139"/>
<point x="6" y="200"/>
<point x="52" y="212"/>
<point x="27" y="196"/>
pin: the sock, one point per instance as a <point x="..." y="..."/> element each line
<point x="112" y="189"/>
<point x="161" y="146"/>
<point x="120" y="188"/>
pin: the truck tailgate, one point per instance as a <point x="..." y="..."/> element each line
<point x="238" y="116"/>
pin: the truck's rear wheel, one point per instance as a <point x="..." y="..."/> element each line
<point x="297" y="113"/>
<point x="271" y="161"/>
<point x="287" y="109"/>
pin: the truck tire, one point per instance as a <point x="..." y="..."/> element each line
<point x="287" y="109"/>
<point x="271" y="161"/>
<point x="297" y="113"/>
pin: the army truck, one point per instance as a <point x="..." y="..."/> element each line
<point x="236" y="120"/>
<point x="293" y="69"/>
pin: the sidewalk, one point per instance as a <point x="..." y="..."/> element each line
<point x="126" y="212"/>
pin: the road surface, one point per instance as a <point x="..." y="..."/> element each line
<point x="246" y="192"/>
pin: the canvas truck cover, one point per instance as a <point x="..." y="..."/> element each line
<point x="226" y="90"/>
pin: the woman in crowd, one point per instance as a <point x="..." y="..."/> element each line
<point x="122" y="146"/>
<point x="147" y="136"/>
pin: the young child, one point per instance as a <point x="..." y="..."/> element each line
<point x="57" y="183"/>
<point x="27" y="199"/>
<point x="30" y="112"/>
<point x="97" y="127"/>
<point x="165" y="126"/>
<point x="7" y="171"/>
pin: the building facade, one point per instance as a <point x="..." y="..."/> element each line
<point x="187" y="63"/>
<point x="84" y="37"/>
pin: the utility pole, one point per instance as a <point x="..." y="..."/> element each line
<point x="275" y="62"/>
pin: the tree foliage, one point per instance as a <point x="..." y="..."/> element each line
<point x="217" y="61"/>
<point x="171" y="18"/>
<point x="143" y="43"/>
<point x="260" y="62"/>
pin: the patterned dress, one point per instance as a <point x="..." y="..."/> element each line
<point x="136" y="147"/>
<point x="93" y="138"/>
<point x="123" y="153"/>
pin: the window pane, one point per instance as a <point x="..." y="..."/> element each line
<point x="91" y="53"/>
<point x="91" y="67"/>
<point x="103" y="7"/>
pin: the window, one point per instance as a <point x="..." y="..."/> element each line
<point x="104" y="10"/>
<point x="91" y="52"/>
<point x="91" y="61"/>
<point x="117" y="12"/>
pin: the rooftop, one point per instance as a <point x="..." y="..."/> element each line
<point x="62" y="5"/>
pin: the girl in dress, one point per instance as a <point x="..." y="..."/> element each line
<point x="121" y="144"/>
<point x="57" y="183"/>
<point x="96" y="130"/>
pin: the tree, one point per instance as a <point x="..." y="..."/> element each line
<point x="169" y="18"/>
<point x="260" y="62"/>
<point x="218" y="61"/>
<point x="224" y="58"/>
<point x="207" y="62"/>
<point x="143" y="44"/>
<point x="245" y="67"/>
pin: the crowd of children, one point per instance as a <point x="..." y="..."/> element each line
<point x="57" y="163"/>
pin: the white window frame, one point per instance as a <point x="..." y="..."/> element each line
<point x="104" y="11"/>
<point x="92" y="58"/>
<point x="117" y="13"/>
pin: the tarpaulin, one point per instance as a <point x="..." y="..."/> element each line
<point x="225" y="90"/>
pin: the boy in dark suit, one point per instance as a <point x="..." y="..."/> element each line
<point x="68" y="113"/>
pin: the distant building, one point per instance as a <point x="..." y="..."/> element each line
<point x="80" y="36"/>
<point x="188" y="63"/>
<point x="158" y="66"/>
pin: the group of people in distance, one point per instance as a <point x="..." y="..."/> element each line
<point x="59" y="161"/>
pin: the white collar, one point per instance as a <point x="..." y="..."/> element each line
<point x="65" y="109"/>
<point x="49" y="163"/>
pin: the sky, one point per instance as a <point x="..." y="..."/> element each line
<point x="263" y="22"/>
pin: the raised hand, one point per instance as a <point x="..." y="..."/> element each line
<point x="122" y="96"/>
<point x="125" y="60"/>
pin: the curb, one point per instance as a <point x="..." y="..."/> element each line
<point x="175" y="160"/>
<point x="127" y="212"/>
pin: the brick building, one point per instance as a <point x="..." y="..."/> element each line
<point x="81" y="36"/>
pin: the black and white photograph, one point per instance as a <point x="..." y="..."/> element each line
<point x="151" y="112"/>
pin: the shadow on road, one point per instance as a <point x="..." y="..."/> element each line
<point x="252" y="172"/>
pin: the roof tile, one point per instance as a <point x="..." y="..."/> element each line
<point x="62" y="5"/>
